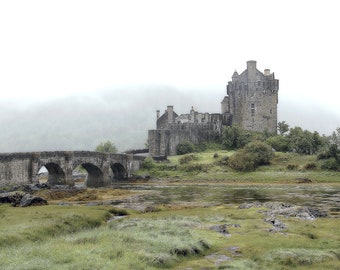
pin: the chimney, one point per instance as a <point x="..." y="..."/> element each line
<point x="251" y="64"/>
<point x="267" y="72"/>
<point x="251" y="68"/>
<point x="170" y="111"/>
<point x="157" y="114"/>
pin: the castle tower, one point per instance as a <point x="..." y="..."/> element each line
<point x="253" y="98"/>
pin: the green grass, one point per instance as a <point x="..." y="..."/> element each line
<point x="205" y="167"/>
<point x="172" y="238"/>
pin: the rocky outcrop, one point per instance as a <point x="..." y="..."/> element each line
<point x="21" y="199"/>
<point x="279" y="209"/>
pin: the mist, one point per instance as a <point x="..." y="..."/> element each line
<point x="123" y="115"/>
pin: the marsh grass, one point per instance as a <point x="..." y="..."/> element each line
<point x="173" y="238"/>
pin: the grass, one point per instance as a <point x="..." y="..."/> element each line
<point x="175" y="238"/>
<point x="284" y="168"/>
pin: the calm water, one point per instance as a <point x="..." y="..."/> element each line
<point x="323" y="197"/>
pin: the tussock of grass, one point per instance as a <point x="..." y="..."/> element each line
<point x="296" y="257"/>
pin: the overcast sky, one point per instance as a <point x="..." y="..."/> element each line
<point x="53" y="49"/>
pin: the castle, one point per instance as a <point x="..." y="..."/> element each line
<point x="250" y="103"/>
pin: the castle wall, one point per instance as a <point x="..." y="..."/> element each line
<point x="164" y="142"/>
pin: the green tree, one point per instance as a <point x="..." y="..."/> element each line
<point x="234" y="137"/>
<point x="279" y="143"/>
<point x="106" y="147"/>
<point x="304" y="141"/>
<point x="283" y="127"/>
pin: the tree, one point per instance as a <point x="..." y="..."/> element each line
<point x="234" y="137"/>
<point x="279" y="143"/>
<point x="304" y="141"/>
<point x="283" y="127"/>
<point x="106" y="147"/>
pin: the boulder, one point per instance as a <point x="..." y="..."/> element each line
<point x="29" y="200"/>
<point x="11" y="197"/>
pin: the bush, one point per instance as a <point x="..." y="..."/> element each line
<point x="187" y="158"/>
<point x="260" y="151"/>
<point x="331" y="164"/>
<point x="242" y="161"/>
<point x="185" y="148"/>
<point x="292" y="167"/>
<point x="148" y="163"/>
<point x="310" y="166"/>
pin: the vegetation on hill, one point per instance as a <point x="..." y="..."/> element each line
<point x="293" y="153"/>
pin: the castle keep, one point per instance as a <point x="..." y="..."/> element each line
<point x="250" y="103"/>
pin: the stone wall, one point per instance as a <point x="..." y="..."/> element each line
<point x="164" y="142"/>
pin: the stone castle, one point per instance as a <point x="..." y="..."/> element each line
<point x="250" y="103"/>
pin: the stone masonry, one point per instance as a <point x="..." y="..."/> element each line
<point x="250" y="103"/>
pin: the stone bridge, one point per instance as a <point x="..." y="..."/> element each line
<point x="102" y="168"/>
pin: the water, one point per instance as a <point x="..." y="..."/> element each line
<point x="324" y="197"/>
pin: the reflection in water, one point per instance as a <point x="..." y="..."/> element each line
<point x="323" y="197"/>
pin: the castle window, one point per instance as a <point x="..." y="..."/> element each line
<point x="271" y="111"/>
<point x="259" y="83"/>
<point x="252" y="106"/>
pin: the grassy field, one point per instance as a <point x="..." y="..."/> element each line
<point x="80" y="237"/>
<point x="285" y="168"/>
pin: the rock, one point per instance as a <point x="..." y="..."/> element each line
<point x="250" y="205"/>
<point x="11" y="197"/>
<point x="222" y="229"/>
<point x="303" y="180"/>
<point x="278" y="225"/>
<point x="218" y="259"/>
<point x="29" y="200"/>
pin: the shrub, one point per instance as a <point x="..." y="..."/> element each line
<point x="331" y="164"/>
<point x="223" y="161"/>
<point x="242" y="161"/>
<point x="148" y="163"/>
<point x="310" y="166"/>
<point x="186" y="159"/>
<point x="215" y="155"/>
<point x="292" y="167"/>
<point x="260" y="151"/>
<point x="185" y="148"/>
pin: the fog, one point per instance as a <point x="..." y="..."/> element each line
<point x="124" y="115"/>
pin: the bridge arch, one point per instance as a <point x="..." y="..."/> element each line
<point x="119" y="171"/>
<point x="56" y="175"/>
<point x="95" y="176"/>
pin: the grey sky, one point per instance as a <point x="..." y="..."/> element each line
<point x="54" y="49"/>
